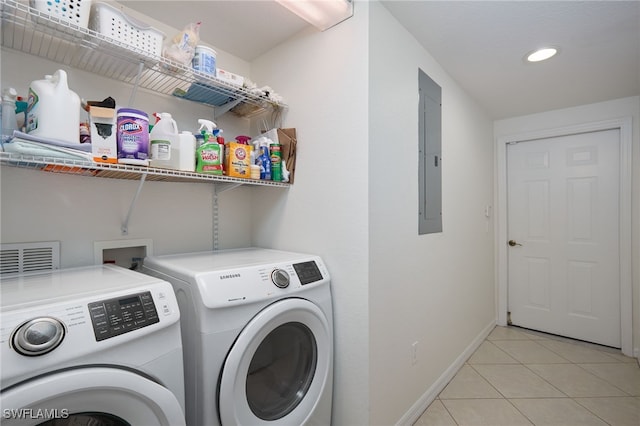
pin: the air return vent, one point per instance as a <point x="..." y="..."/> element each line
<point x="29" y="257"/>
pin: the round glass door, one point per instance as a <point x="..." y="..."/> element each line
<point x="87" y="419"/>
<point x="281" y="371"/>
<point x="279" y="366"/>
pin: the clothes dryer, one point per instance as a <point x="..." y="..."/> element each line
<point x="257" y="328"/>
<point x="97" y="345"/>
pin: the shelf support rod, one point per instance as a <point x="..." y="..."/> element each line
<point x="215" y="217"/>
<point x="136" y="84"/>
<point x="125" y="225"/>
<point x="215" y="213"/>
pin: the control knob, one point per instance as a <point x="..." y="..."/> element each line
<point x="280" y="278"/>
<point x="38" y="336"/>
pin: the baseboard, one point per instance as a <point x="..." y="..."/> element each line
<point x="434" y="390"/>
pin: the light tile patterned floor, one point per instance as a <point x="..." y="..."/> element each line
<point x="521" y="377"/>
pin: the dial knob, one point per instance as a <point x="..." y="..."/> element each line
<point x="38" y="336"/>
<point x="280" y="278"/>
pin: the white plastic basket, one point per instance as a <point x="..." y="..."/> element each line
<point x="114" y="24"/>
<point x="74" y="11"/>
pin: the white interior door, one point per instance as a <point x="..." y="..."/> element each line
<point x="563" y="230"/>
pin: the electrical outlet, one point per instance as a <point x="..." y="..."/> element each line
<point x="414" y="353"/>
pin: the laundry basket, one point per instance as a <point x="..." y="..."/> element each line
<point x="73" y="11"/>
<point x="115" y="24"/>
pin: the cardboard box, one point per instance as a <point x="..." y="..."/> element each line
<point x="229" y="77"/>
<point x="104" y="146"/>
<point x="289" y="145"/>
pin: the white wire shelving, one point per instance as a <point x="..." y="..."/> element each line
<point x="123" y="171"/>
<point x="28" y="30"/>
<point x="31" y="31"/>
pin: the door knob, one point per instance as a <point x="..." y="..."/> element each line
<point x="513" y="243"/>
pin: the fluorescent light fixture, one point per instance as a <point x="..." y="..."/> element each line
<point x="541" y="54"/>
<point x="322" y="14"/>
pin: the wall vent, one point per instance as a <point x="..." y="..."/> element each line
<point x="29" y="257"/>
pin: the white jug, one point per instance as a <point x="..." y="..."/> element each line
<point x="163" y="138"/>
<point x="53" y="111"/>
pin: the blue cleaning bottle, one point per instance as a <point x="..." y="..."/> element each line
<point x="264" y="161"/>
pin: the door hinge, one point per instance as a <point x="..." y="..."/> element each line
<point x="509" y="318"/>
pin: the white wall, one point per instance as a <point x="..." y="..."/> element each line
<point x="352" y="92"/>
<point x="614" y="109"/>
<point x="435" y="289"/>
<point x="323" y="77"/>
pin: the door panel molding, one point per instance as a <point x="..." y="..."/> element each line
<point x="625" y="127"/>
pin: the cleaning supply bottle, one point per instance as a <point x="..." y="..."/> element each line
<point x="53" y="110"/>
<point x="264" y="161"/>
<point x="208" y="156"/>
<point x="243" y="140"/>
<point x="163" y="135"/>
<point x="206" y="128"/>
<point x="276" y="161"/>
<point x="187" y="152"/>
<point x="9" y="121"/>
<point x="217" y="133"/>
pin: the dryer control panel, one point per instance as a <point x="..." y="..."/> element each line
<point x="117" y="316"/>
<point x="308" y="272"/>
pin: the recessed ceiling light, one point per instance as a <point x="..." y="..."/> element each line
<point x="541" y="54"/>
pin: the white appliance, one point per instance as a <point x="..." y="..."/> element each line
<point x="92" y="345"/>
<point x="257" y="329"/>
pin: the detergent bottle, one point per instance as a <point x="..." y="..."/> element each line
<point x="163" y="135"/>
<point x="53" y="111"/>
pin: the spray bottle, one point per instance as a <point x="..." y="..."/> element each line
<point x="243" y="140"/>
<point x="9" y="122"/>
<point x="217" y="135"/>
<point x="264" y="160"/>
<point x="208" y="155"/>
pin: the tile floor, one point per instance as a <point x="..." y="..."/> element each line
<point x="521" y="377"/>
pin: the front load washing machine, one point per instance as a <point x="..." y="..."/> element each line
<point x="96" y="345"/>
<point x="257" y="329"/>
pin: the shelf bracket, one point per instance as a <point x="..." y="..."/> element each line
<point x="220" y="110"/>
<point x="125" y="225"/>
<point x="217" y="190"/>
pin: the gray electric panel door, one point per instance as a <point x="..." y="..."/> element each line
<point x="430" y="161"/>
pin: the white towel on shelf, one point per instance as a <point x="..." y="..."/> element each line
<point x="86" y="147"/>
<point x="36" y="149"/>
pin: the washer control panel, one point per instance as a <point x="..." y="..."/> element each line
<point x="114" y="317"/>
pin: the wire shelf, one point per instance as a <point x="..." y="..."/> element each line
<point x="122" y="171"/>
<point x="31" y="31"/>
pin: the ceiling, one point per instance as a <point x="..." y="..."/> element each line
<point x="481" y="44"/>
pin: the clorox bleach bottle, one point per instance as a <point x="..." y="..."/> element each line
<point x="53" y="111"/>
<point x="162" y="136"/>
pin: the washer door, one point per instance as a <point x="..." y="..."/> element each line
<point x="278" y="368"/>
<point x="91" y="396"/>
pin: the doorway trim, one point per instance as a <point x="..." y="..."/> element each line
<point x="626" y="294"/>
